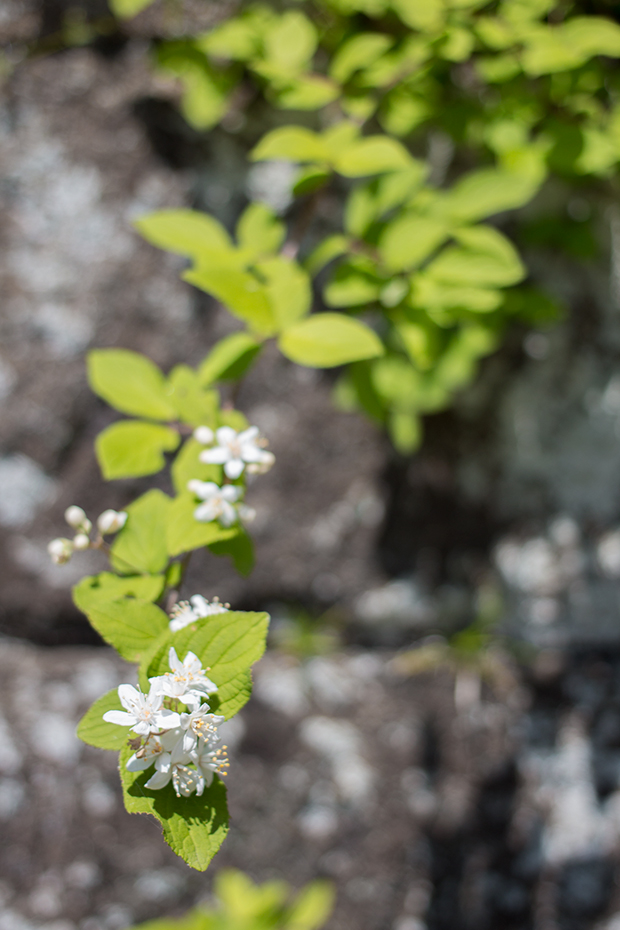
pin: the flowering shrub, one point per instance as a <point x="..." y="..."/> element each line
<point x="193" y="656"/>
<point x="418" y="285"/>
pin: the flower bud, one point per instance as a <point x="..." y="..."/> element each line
<point x="111" y="521"/>
<point x="60" y="550"/>
<point x="81" y="541"/>
<point x="204" y="435"/>
<point x="75" y="517"/>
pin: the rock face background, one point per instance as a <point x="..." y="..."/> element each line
<point x="428" y="814"/>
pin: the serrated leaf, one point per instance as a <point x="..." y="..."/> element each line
<point x="185" y="532"/>
<point x="229" y="358"/>
<point x="409" y="239"/>
<point x="94" y="730"/>
<point x="187" y="467"/>
<point x="226" y="643"/>
<point x="132" y="448"/>
<point x="325" y="340"/>
<point x="141" y="545"/>
<point x="185" y="232"/>
<point x="193" y="827"/>
<point x="287" y="287"/>
<point x="240" y="292"/>
<point x="128" y="624"/>
<point x="193" y="404"/>
<point x="130" y="382"/>
<point x="97" y="588"/>
<point x="240" y="549"/>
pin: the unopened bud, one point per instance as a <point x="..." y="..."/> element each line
<point x="81" y="541"/>
<point x="60" y="550"/>
<point x="204" y="435"/>
<point x="75" y="517"/>
<point x="111" y="521"/>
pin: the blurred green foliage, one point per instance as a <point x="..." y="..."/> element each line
<point x="242" y="905"/>
<point x="368" y="98"/>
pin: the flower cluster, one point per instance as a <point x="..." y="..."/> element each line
<point x="236" y="452"/>
<point x="182" y="745"/>
<point x="61" y="549"/>
<point x="186" y="612"/>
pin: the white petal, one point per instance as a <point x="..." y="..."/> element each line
<point x="190" y="660"/>
<point x="206" y="512"/>
<point x="248" y="435"/>
<point x="228" y="515"/>
<point x="138" y="765"/>
<point x="200" y="605"/>
<point x="230" y="492"/>
<point x="120" y="717"/>
<point x="234" y="468"/>
<point x="167" y="719"/>
<point x="173" y="660"/>
<point x="129" y="696"/>
<point x="225" y="435"/>
<point x="159" y="780"/>
<point x="216" y="456"/>
<point x="251" y="453"/>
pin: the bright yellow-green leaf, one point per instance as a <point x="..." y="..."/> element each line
<point x="488" y="191"/>
<point x="94" y="730"/>
<point x="425" y="15"/>
<point x="184" y="532"/>
<point x="187" y="467"/>
<point x="325" y="252"/>
<point x="240" y="292"/>
<point x="325" y="340"/>
<point x="259" y="231"/>
<point x="185" y="232"/>
<point x="290" y="43"/>
<point x="194" y="405"/>
<point x="291" y="143"/>
<point x="307" y="92"/>
<point x="372" y="155"/>
<point x="130" y="382"/>
<point x="108" y="587"/>
<point x="228" y="359"/>
<point x="350" y="288"/>
<point x="130" y="625"/>
<point x="409" y="239"/>
<point x="141" y="545"/>
<point x="132" y="448"/>
<point x="358" y="52"/>
<point x="288" y="289"/>
<point x="484" y="258"/>
<point x="127" y="8"/>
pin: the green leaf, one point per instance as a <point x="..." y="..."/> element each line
<point x="360" y="211"/>
<point x="372" y="155"/>
<point x="141" y="545"/>
<point x="351" y="288"/>
<point x="312" y="907"/>
<point x="484" y="258"/>
<point x="184" y="532"/>
<point x="427" y="16"/>
<point x="229" y="359"/>
<point x="325" y="340"/>
<point x="488" y="191"/>
<point x="128" y="624"/>
<point x="405" y="431"/>
<point x="308" y="92"/>
<point x="185" y="232"/>
<point x="288" y="289"/>
<point x="259" y="231"/>
<point x="129" y="382"/>
<point x="226" y="643"/>
<point x="409" y="239"/>
<point x="133" y="447"/>
<point x="128" y="8"/>
<point x="186" y="467"/>
<point x="240" y="548"/>
<point x="358" y="52"/>
<point x="193" y="827"/>
<point x="194" y="405"/>
<point x="327" y="250"/>
<point x="240" y="292"/>
<point x="108" y="587"/>
<point x="94" y="730"/>
<point x="290" y="43"/>
<point x="291" y="143"/>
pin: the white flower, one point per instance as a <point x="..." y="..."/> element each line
<point x="143" y="712"/>
<point x="60" y="550"/>
<point x="204" y="435"/>
<point x="218" y="502"/>
<point x="186" y="612"/>
<point x="200" y="724"/>
<point x="209" y="760"/>
<point x="77" y="519"/>
<point x="234" y="450"/>
<point x="111" y="521"/>
<point x="186" y="680"/>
